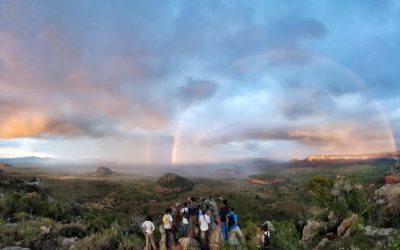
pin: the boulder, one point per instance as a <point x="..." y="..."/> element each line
<point x="343" y="229"/>
<point x="388" y="194"/>
<point x="189" y="243"/>
<point x="374" y="231"/>
<point x="322" y="244"/>
<point x="333" y="221"/>
<point x="103" y="171"/>
<point x="312" y="230"/>
<point x="67" y="242"/>
<point x="393" y="177"/>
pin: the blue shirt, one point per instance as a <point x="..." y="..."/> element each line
<point x="235" y="217"/>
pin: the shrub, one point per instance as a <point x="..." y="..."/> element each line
<point x="286" y="236"/>
<point x="251" y="232"/>
<point x="394" y="244"/>
<point x="73" y="230"/>
<point x="320" y="188"/>
<point x="131" y="243"/>
<point x="344" y="196"/>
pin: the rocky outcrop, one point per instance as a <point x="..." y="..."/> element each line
<point x="393" y="176"/>
<point x="312" y="230"/>
<point x="388" y="195"/>
<point x="172" y="183"/>
<point x="103" y="171"/>
<point x="374" y="231"/>
<point x="345" y="227"/>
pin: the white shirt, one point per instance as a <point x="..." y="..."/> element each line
<point x="184" y="220"/>
<point x="204" y="221"/>
<point x="169" y="225"/>
<point x="148" y="226"/>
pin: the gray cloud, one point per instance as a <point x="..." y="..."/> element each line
<point x="196" y="90"/>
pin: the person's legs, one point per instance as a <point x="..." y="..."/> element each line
<point x="224" y="230"/>
<point x="152" y="241"/>
<point x="185" y="230"/>
<point x="207" y="241"/>
<point x="147" y="241"/>
<point x="167" y="237"/>
<point x="240" y="236"/>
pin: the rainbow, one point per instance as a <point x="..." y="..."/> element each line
<point x="177" y="135"/>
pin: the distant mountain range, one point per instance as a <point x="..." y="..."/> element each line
<point x="337" y="160"/>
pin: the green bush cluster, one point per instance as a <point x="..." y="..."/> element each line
<point x="343" y="196"/>
<point x="286" y="236"/>
<point x="111" y="239"/>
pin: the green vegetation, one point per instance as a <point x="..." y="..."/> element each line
<point x="105" y="213"/>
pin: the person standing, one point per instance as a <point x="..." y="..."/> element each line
<point x="168" y="226"/>
<point x="185" y="220"/>
<point x="235" y="234"/>
<point x="265" y="237"/>
<point x="204" y="221"/>
<point x="193" y="209"/>
<point x="148" y="227"/>
<point x="223" y="217"/>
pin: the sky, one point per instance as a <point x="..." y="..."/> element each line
<point x="178" y="82"/>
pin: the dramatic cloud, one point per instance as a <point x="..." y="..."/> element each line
<point x="198" y="81"/>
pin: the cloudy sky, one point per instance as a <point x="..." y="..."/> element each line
<point x="198" y="81"/>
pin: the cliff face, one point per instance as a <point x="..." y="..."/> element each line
<point x="172" y="183"/>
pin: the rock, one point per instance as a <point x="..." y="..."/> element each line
<point x="374" y="231"/>
<point x="333" y="221"/>
<point x="2" y="172"/>
<point x="45" y="230"/>
<point x="391" y="179"/>
<point x="345" y="225"/>
<point x="388" y="194"/>
<point x="172" y="183"/>
<point x="103" y="171"/>
<point x="312" y="230"/>
<point x="189" y="243"/>
<point x="322" y="244"/>
<point x="69" y="241"/>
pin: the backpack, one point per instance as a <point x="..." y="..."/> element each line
<point x="231" y="221"/>
<point x="266" y="241"/>
<point x="186" y="214"/>
<point x="223" y="214"/>
<point x="193" y="209"/>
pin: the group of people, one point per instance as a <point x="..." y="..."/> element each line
<point x="196" y="220"/>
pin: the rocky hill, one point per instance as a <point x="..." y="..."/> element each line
<point x="103" y="171"/>
<point x="5" y="166"/>
<point x="170" y="183"/>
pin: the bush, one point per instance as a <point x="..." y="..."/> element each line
<point x="394" y="244"/>
<point x="251" y="232"/>
<point x="285" y="236"/>
<point x="73" y="230"/>
<point x="131" y="243"/>
<point x="344" y="196"/>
